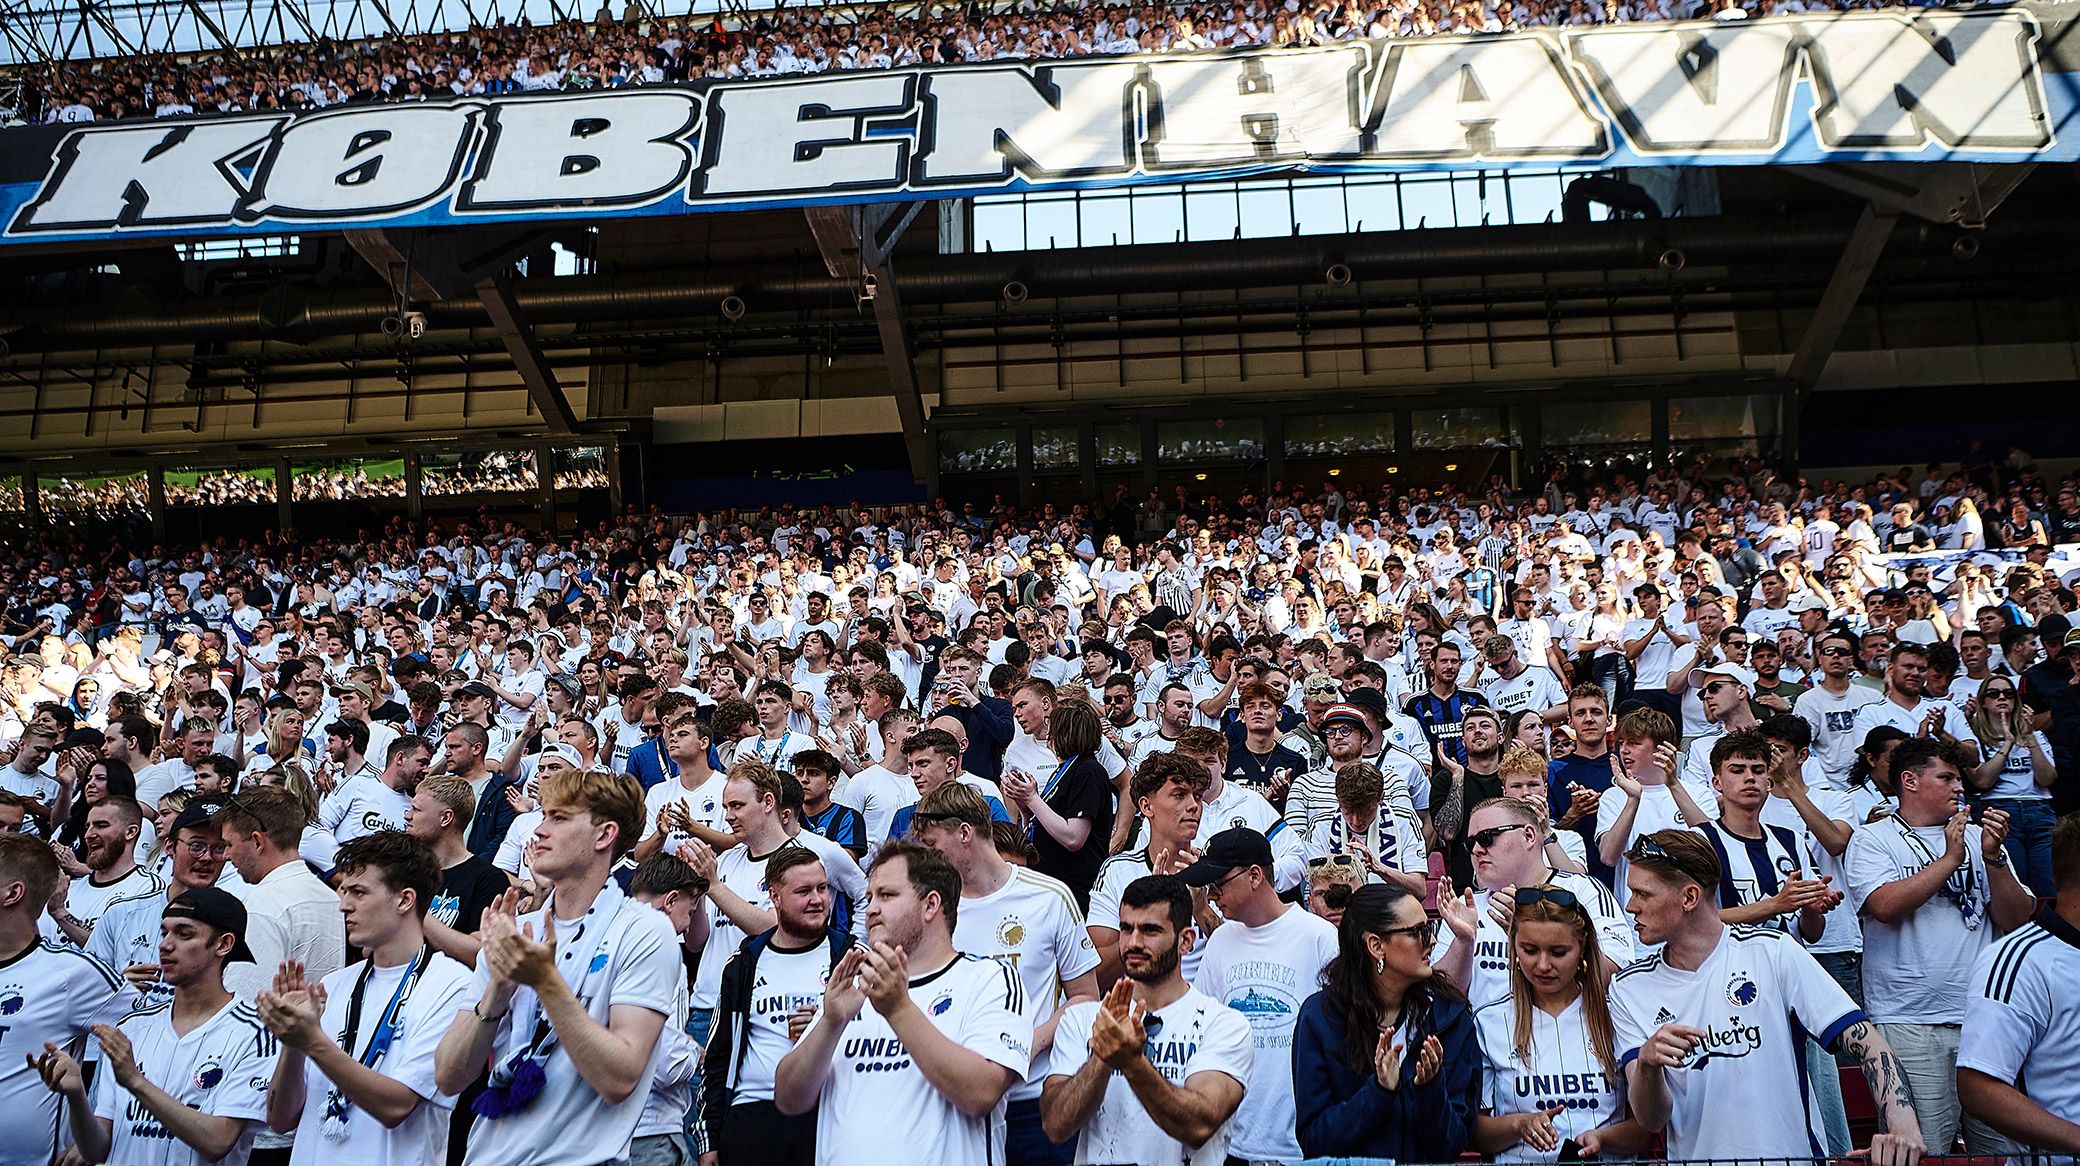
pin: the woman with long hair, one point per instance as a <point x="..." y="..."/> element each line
<point x="157" y="858"/>
<point x="284" y="744"/>
<point x="1552" y="1068"/>
<point x="2015" y="775"/>
<point x="1385" y="1059"/>
<point x="102" y="778"/>
<point x="1067" y="809"/>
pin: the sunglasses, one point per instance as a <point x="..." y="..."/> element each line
<point x="1330" y="860"/>
<point x="1559" y="897"/>
<point x="1485" y="840"/>
<point x="1425" y="932"/>
<point x="1836" y="652"/>
<point x="1997" y="694"/>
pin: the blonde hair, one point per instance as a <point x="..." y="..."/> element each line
<point x="1520" y="759"/>
<point x="1596" y="1011"/>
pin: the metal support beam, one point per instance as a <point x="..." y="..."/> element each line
<point x="424" y="266"/>
<point x="1960" y="193"/>
<point x="528" y="359"/>
<point x="902" y="376"/>
<point x="1844" y="288"/>
<point x="858" y="243"/>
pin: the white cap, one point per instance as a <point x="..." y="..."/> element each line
<point x="1699" y="677"/>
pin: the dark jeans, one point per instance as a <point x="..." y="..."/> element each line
<point x="756" y="1133"/>
<point x="1026" y="1144"/>
<point x="2029" y="841"/>
<point x="1613" y="674"/>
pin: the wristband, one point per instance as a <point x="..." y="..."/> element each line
<point x="477" y="1010"/>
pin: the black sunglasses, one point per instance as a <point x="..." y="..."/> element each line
<point x="1559" y="897"/>
<point x="1486" y="838"/>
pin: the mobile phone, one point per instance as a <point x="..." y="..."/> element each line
<point x="1571" y="1151"/>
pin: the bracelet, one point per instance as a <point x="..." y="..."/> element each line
<point x="477" y="1010"/>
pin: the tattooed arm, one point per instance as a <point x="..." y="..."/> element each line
<point x="1898" y="1142"/>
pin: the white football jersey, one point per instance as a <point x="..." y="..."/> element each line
<point x="221" y="1067"/>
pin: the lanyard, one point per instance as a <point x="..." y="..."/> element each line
<point x="379" y="1041"/>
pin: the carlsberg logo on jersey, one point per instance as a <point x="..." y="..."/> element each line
<point x="1814" y="88"/>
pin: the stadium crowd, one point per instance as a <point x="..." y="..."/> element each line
<point x="1606" y="819"/>
<point x="642" y="49"/>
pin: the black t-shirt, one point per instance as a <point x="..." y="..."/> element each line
<point x="466" y="889"/>
<point x="1247" y="769"/>
<point x="1083" y="792"/>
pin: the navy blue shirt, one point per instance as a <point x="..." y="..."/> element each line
<point x="1444" y="718"/>
<point x="1589" y="772"/>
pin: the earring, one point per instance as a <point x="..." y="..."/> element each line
<point x="1379" y="965"/>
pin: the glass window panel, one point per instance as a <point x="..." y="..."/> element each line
<point x="499" y="471"/>
<point x="1266" y="213"/>
<point x="1158" y="214"/>
<point x="220" y="486"/>
<point x="1695" y="418"/>
<point x="580" y="467"/>
<point x="1338" y="434"/>
<point x="978" y="451"/>
<point x="1374" y="206"/>
<point x="1221" y="439"/>
<point x="1051" y="222"/>
<point x="1596" y="423"/>
<point x="1107" y="221"/>
<point x="1119" y="445"/>
<point x="1457" y="428"/>
<point x="106" y="497"/>
<point x="999" y="225"/>
<point x="1535" y="197"/>
<point x="1210" y="212"/>
<point x="1425" y="202"/>
<point x="1318" y="206"/>
<point x="346" y="480"/>
<point x="1055" y="447"/>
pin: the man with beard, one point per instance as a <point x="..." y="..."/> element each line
<point x="944" y="1039"/>
<point x="367" y="803"/>
<point x="113" y="876"/>
<point x="63" y="993"/>
<point x="127" y="937"/>
<point x="772" y="983"/>
<point x="1154" y="1072"/>
<point x="1904" y="706"/>
<point x="1168" y="793"/>
<point x="209" y="1060"/>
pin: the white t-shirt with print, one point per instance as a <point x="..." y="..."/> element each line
<point x="1191" y="1035"/>
<point x="1266" y="973"/>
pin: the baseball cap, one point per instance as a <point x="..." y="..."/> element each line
<point x="200" y="813"/>
<point x="1345" y="712"/>
<point x="354" y="686"/>
<point x="476" y="688"/>
<point x="1699" y="677"/>
<point x="1807" y="603"/>
<point x="560" y="749"/>
<point x="219" y="909"/>
<point x="1235" y="847"/>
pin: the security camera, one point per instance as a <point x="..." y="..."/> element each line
<point x="414" y="324"/>
<point x="869" y="287"/>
